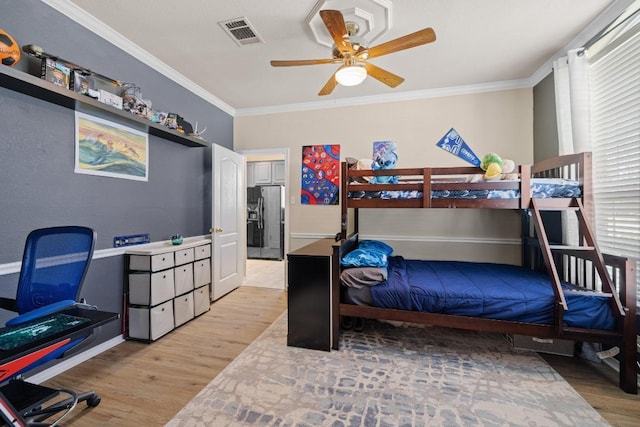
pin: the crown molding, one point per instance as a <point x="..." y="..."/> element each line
<point x="88" y="21"/>
<point x="83" y="18"/>
<point x="612" y="11"/>
<point x="394" y="97"/>
<point x="72" y="11"/>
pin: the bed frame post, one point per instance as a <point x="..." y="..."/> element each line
<point x="344" y="219"/>
<point x="629" y="350"/>
<point x="335" y="297"/>
<point x="525" y="186"/>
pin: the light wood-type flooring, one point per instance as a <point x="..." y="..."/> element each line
<point x="147" y="384"/>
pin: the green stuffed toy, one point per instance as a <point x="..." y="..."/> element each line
<point x="495" y="168"/>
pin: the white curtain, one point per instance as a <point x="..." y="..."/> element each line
<point x="571" y="77"/>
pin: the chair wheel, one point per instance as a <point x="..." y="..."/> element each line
<point x="93" y="401"/>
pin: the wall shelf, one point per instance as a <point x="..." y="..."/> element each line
<point x="38" y="88"/>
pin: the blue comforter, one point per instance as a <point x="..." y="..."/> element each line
<point x="495" y="291"/>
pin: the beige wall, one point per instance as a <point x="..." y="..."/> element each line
<point x="499" y="121"/>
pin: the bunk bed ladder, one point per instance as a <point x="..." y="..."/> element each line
<point x="587" y="246"/>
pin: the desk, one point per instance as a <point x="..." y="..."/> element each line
<point x="14" y="357"/>
<point x="310" y="271"/>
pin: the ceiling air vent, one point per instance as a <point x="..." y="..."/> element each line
<point x="240" y="31"/>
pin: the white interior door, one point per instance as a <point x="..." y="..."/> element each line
<point x="227" y="259"/>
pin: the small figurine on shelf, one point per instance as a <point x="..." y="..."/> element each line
<point x="176" y="240"/>
<point x="132" y="101"/>
<point x="172" y="121"/>
<point x="158" y="117"/>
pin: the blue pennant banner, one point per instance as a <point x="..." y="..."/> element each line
<point x="454" y="144"/>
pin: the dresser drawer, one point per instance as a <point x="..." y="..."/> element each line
<point x="183" y="278"/>
<point x="184" y="256"/>
<point x="202" y="252"/>
<point x="151" y="288"/>
<point x="183" y="308"/>
<point x="151" y="262"/>
<point x="201" y="300"/>
<point x="150" y="323"/>
<point x="202" y="272"/>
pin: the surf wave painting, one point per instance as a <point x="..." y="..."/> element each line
<point x="109" y="149"/>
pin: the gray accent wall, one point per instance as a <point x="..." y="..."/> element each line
<point x="38" y="186"/>
<point x="545" y="142"/>
<point x="545" y="124"/>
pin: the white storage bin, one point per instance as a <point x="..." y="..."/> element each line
<point x="184" y="256"/>
<point x="201" y="300"/>
<point x="150" y="323"/>
<point x="151" y="288"/>
<point x="202" y="272"/>
<point x="151" y="263"/>
<point x="183" y="308"/>
<point x="202" y="252"/>
<point x="183" y="278"/>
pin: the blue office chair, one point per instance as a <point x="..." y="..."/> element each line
<point x="54" y="265"/>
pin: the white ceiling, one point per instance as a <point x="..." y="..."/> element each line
<point x="480" y="44"/>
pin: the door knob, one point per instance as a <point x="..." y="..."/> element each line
<point x="217" y="230"/>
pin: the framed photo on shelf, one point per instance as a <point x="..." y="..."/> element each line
<point x="110" y="149"/>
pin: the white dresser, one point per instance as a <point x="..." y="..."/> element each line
<point x="166" y="286"/>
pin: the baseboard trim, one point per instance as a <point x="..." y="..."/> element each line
<point x="74" y="360"/>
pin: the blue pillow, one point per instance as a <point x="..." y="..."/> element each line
<point x="375" y="244"/>
<point x="365" y="258"/>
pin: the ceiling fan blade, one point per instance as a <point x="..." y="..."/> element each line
<point x="384" y="76"/>
<point x="287" y="63"/>
<point x="330" y="85"/>
<point x="410" y="40"/>
<point x="334" y="21"/>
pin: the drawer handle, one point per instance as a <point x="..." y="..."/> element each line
<point x="164" y="276"/>
<point x="163" y="258"/>
<point x="162" y="309"/>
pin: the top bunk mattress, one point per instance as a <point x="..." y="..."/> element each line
<point x="494" y="291"/>
<point x="541" y="188"/>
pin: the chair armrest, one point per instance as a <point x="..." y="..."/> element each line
<point x="40" y="312"/>
<point x="8" y="304"/>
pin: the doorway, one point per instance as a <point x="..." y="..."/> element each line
<point x="267" y="213"/>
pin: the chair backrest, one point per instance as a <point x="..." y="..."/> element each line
<point x="54" y="265"/>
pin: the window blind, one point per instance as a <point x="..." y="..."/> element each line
<point x="615" y="144"/>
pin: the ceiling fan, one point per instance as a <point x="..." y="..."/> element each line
<point x="353" y="56"/>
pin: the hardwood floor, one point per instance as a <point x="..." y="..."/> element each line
<point x="145" y="385"/>
<point x="598" y="385"/>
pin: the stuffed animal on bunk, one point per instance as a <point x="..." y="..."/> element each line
<point x="495" y="169"/>
<point x="384" y="157"/>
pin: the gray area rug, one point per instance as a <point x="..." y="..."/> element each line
<point x="388" y="376"/>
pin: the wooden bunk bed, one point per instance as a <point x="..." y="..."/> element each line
<point x="582" y="265"/>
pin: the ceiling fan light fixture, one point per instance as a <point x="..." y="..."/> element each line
<point x="351" y="75"/>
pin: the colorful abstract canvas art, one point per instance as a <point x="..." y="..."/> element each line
<point x="320" y="181"/>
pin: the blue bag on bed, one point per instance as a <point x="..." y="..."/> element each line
<point x="365" y="258"/>
<point x="375" y="244"/>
